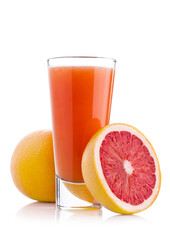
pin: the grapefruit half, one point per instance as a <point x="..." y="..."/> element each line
<point x="121" y="169"/>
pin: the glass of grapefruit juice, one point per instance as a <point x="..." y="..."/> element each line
<point x="81" y="95"/>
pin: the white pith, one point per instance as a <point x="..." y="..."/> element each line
<point x="126" y="206"/>
<point x="128" y="167"/>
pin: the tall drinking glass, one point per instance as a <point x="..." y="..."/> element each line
<point x="81" y="95"/>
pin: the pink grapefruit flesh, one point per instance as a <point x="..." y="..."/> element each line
<point x="128" y="167"/>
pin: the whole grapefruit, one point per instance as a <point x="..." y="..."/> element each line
<point x="32" y="166"/>
<point x="33" y="170"/>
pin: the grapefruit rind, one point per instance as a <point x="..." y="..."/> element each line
<point x="80" y="191"/>
<point x="95" y="179"/>
<point x="32" y="166"/>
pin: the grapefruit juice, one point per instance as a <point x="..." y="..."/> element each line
<point x="81" y="103"/>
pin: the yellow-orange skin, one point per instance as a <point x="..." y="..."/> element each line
<point x="33" y="170"/>
<point x="32" y="166"/>
<point x="92" y="178"/>
<point x="80" y="191"/>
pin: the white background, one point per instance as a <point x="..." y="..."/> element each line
<point x="136" y="34"/>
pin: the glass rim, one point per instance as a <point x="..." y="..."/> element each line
<point x="80" y="57"/>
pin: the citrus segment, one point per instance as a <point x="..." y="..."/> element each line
<point x="123" y="164"/>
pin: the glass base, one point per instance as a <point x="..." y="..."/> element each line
<point x="74" y="196"/>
